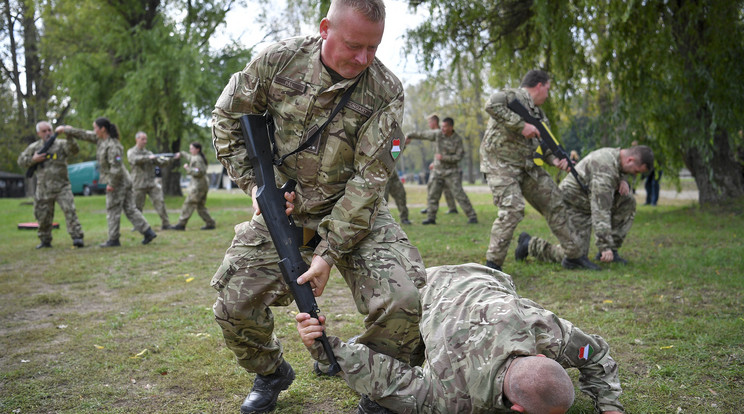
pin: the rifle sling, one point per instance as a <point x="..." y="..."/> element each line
<point x="310" y="141"/>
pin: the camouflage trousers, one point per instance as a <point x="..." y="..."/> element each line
<point x="448" y="197"/>
<point x="384" y="273"/>
<point x="156" y="197"/>
<point x="196" y="200"/>
<point x="622" y="215"/>
<point x="44" y="213"/>
<point x="451" y="180"/>
<point x="510" y="188"/>
<point x="395" y="188"/>
<point x="122" y="199"/>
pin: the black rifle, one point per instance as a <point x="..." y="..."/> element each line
<point x="547" y="139"/>
<point x="165" y="155"/>
<point x="258" y="134"/>
<point x="48" y="144"/>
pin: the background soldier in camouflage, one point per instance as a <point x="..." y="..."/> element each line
<point x="143" y="163"/>
<point x="610" y="207"/>
<point x="341" y="181"/>
<point x="507" y="161"/>
<point x="446" y="174"/>
<point x="395" y="188"/>
<point x="483" y="343"/>
<point x="433" y="123"/>
<point x="119" y="194"/>
<point x="196" y="167"/>
<point x="52" y="184"/>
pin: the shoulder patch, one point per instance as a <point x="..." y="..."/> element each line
<point x="290" y="83"/>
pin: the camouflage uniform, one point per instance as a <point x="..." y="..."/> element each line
<point x="507" y="161"/>
<point x="143" y="181"/>
<point x="448" y="197"/>
<point x="53" y="184"/>
<point x="395" y="188"/>
<point x="609" y="213"/>
<point x="474" y="324"/>
<point x="446" y="173"/>
<point x="340" y="185"/>
<point x="197" y="198"/>
<point x="114" y="173"/>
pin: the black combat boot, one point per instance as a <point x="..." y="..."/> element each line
<point x="473" y="220"/>
<point x="493" y="265"/>
<point x="149" y="235"/>
<point x="209" y="227"/>
<point x="523" y="247"/>
<point x="453" y="211"/>
<point x="367" y="406"/>
<point x="44" y="245"/>
<point x="405" y="221"/>
<point x="615" y="257"/>
<point x="178" y="227"/>
<point x="266" y="389"/>
<point x="424" y="211"/>
<point x="111" y="243"/>
<point x="582" y="262"/>
<point x="78" y="242"/>
<point x="429" y="221"/>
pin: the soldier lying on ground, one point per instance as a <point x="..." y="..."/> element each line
<point x="487" y="350"/>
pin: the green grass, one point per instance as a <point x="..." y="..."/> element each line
<point x="130" y="330"/>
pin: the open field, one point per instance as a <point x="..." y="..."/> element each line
<point x="130" y="330"/>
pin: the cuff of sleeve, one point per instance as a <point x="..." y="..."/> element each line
<point x="324" y="251"/>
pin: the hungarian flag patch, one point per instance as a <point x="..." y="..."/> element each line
<point x="395" y="151"/>
<point x="585" y="352"/>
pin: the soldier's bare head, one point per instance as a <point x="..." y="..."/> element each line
<point x="644" y="155"/>
<point x="536" y="384"/>
<point x="351" y="33"/>
<point x="44" y="129"/>
<point x="433" y="121"/>
<point x="141" y="139"/>
<point x="448" y="126"/>
<point x="537" y="83"/>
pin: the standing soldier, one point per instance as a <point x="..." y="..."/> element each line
<point x="609" y="207"/>
<point x="52" y="184"/>
<point x="507" y="161"/>
<point x="143" y="164"/>
<point x="433" y="123"/>
<point x="119" y="194"/>
<point x="446" y="174"/>
<point x="395" y="188"/>
<point x="196" y="167"/>
<point x="341" y="176"/>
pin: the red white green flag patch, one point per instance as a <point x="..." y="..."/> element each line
<point x="395" y="151"/>
<point x="585" y="352"/>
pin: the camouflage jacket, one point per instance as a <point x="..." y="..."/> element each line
<point x="601" y="172"/>
<point x="341" y="179"/>
<point x="451" y="148"/>
<point x="503" y="144"/>
<point x="51" y="176"/>
<point x="110" y="156"/>
<point x="143" y="168"/>
<point x="197" y="169"/>
<point x="474" y="324"/>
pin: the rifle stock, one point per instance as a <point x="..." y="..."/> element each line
<point x="547" y="139"/>
<point x="287" y="237"/>
<point x="48" y="144"/>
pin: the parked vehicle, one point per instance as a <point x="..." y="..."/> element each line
<point x="84" y="178"/>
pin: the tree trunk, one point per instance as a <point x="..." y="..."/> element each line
<point x="171" y="180"/>
<point x="720" y="179"/>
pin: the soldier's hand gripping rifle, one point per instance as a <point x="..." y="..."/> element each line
<point x="547" y="139"/>
<point x="287" y="237"/>
<point x="47" y="145"/>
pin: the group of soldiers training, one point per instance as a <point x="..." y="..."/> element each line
<point x="123" y="192"/>
<point x="486" y="348"/>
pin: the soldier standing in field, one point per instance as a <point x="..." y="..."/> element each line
<point x="506" y="153"/>
<point x="488" y="350"/>
<point x="433" y="123"/>
<point x="143" y="163"/>
<point x="447" y="173"/>
<point x="609" y="208"/>
<point x="196" y="167"/>
<point x="52" y="184"/>
<point x="119" y="194"/>
<point x="341" y="177"/>
<point x="395" y="188"/>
